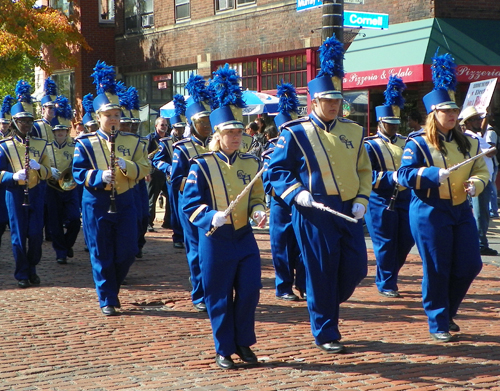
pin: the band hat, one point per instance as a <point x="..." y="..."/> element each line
<point x="50" y="90"/>
<point x="22" y="110"/>
<point x="197" y="90"/>
<point x="438" y="100"/>
<point x="444" y="77"/>
<point x="196" y="111"/>
<point x="5" y="121"/>
<point x="223" y="118"/>
<point x="24" y="106"/>
<point x="64" y="112"/>
<point x="323" y="88"/>
<point x="89" y="120"/>
<point x="104" y="79"/>
<point x="390" y="111"/>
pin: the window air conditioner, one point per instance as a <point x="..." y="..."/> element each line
<point x="148" y="20"/>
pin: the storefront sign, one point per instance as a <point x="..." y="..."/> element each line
<point x="379" y="77"/>
<point x="366" y="20"/>
<point x="477" y="72"/>
<point x="479" y="94"/>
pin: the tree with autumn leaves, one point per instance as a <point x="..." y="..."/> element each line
<point x="28" y="33"/>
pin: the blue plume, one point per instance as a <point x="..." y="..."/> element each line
<point x="8" y="101"/>
<point x="63" y="108"/>
<point x="23" y="91"/>
<point x="179" y="104"/>
<point x="444" y="72"/>
<point x="133" y="98"/>
<point x="87" y="103"/>
<point x="288" y="100"/>
<point x="394" y="92"/>
<point x="331" y="54"/>
<point x="227" y="87"/>
<point x="104" y="78"/>
<point x="121" y="91"/>
<point x="214" y="104"/>
<point x="50" y="87"/>
<point x="197" y="89"/>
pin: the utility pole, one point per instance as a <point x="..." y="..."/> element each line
<point x="333" y="21"/>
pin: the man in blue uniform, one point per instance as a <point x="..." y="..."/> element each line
<point x="109" y="164"/>
<point x="389" y="227"/>
<point x="42" y="127"/>
<point x="24" y="164"/>
<point x="321" y="158"/>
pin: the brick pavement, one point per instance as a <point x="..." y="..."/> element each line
<point x="55" y="338"/>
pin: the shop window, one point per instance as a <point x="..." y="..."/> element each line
<point x="65" y="82"/>
<point x="290" y="69"/>
<point x="65" y="6"/>
<point x="139" y="14"/>
<point x="247" y="71"/>
<point x="182" y="10"/>
<point x="106" y="11"/>
<point x="225" y="5"/>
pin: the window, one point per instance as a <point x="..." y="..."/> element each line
<point x="180" y="81"/>
<point x="182" y="9"/>
<point x="224" y="5"/>
<point x="248" y="73"/>
<point x="65" y="6"/>
<point x="106" y="11"/>
<point x="290" y="69"/>
<point x="65" y="82"/>
<point x="139" y="14"/>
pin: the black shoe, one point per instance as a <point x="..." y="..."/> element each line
<point x="391" y="294"/>
<point x="61" y="261"/>
<point x="200" y="307"/>
<point x="109" y="310"/>
<point x="332" y="347"/>
<point x="139" y="254"/>
<point x="289" y="297"/>
<point x="246" y="354"/>
<point x="151" y="229"/>
<point x="224" y="362"/>
<point x="70" y="252"/>
<point x="488" y="251"/>
<point x="34" y="279"/>
<point x="453" y="326"/>
<point x="178" y="245"/>
<point x="23" y="284"/>
<point x="442" y="337"/>
<point x="161" y="202"/>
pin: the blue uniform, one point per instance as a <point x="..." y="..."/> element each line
<point x="63" y="206"/>
<point x="229" y="259"/>
<point x="389" y="230"/>
<point x="442" y="223"/>
<point x="329" y="161"/>
<point x="184" y="150"/>
<point x="26" y="222"/>
<point x="162" y="160"/>
<point x="111" y="238"/>
<point x="157" y="182"/>
<point x="287" y="262"/>
<point x="142" y="203"/>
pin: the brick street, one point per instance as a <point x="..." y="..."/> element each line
<point x="54" y="336"/>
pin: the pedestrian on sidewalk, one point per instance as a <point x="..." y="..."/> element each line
<point x="441" y="218"/>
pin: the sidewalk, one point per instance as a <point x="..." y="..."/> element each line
<point x="55" y="338"/>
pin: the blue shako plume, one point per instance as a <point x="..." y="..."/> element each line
<point x="179" y="105"/>
<point x="227" y="87"/>
<point x="133" y="98"/>
<point x="23" y="91"/>
<point x="50" y="87"/>
<point x="394" y="92"/>
<point x="331" y="54"/>
<point x="288" y="101"/>
<point x="8" y="101"/>
<point x="104" y="78"/>
<point x="444" y="73"/>
<point x="63" y="108"/>
<point x="87" y="105"/>
<point x="197" y="89"/>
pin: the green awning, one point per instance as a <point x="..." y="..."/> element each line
<point x="409" y="45"/>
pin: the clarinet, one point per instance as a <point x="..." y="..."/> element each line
<point x="27" y="170"/>
<point x="112" y="162"/>
<point x="394" y="196"/>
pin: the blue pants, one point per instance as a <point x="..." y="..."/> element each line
<point x="446" y="237"/>
<point x="480" y="207"/>
<point x="391" y="237"/>
<point x="26" y="225"/>
<point x="287" y="262"/>
<point x="230" y="267"/>
<point x="175" y="222"/>
<point x="335" y="259"/>
<point x="494" y="194"/>
<point x="111" y="239"/>
<point x="63" y="211"/>
<point x="191" y="239"/>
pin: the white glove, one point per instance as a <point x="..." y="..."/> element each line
<point x="20" y="175"/>
<point x="304" y="198"/>
<point x="121" y="163"/>
<point x="259" y="217"/>
<point x="219" y="219"/>
<point x="55" y="173"/>
<point x="443" y="175"/>
<point x="395" y="176"/>
<point x="34" y="165"/>
<point x="470" y="188"/>
<point x="107" y="176"/>
<point x="358" y="210"/>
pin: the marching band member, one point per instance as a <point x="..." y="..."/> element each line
<point x="5" y="122"/>
<point x="63" y="204"/>
<point x="388" y="224"/>
<point x="441" y="218"/>
<point x="321" y="158"/>
<point x="229" y="259"/>
<point x="163" y="159"/>
<point x="24" y="165"/>
<point x="109" y="164"/>
<point x="42" y="127"/>
<point x="88" y="119"/>
<point x="287" y="262"/>
<point x="197" y="115"/>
